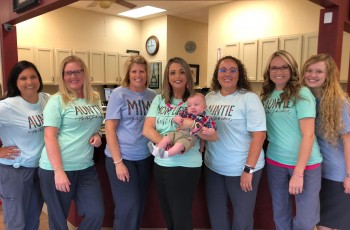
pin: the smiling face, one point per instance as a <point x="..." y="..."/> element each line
<point x="138" y="77"/>
<point x="315" y="75"/>
<point x="73" y="77"/>
<point x="177" y="77"/>
<point x="279" y="72"/>
<point x="28" y="83"/>
<point x="196" y="104"/>
<point x="228" y="75"/>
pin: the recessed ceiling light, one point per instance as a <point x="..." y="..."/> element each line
<point x="140" y="12"/>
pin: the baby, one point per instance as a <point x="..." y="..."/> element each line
<point x="185" y="138"/>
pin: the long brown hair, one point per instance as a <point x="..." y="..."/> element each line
<point x="332" y="98"/>
<point x="167" y="90"/>
<point x="292" y="88"/>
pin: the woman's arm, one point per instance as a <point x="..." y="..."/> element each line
<point x="149" y="130"/>
<point x="346" y="182"/>
<point x="307" y="128"/>
<point x="54" y="154"/>
<point x="121" y="170"/>
<point x="255" y="147"/>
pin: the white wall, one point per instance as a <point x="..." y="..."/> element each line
<point x="250" y="20"/>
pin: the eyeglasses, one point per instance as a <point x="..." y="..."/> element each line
<point x="75" y="72"/>
<point x="274" y="69"/>
<point x="231" y="70"/>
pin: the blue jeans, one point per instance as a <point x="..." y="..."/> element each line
<point x="129" y="197"/>
<point x="307" y="203"/>
<point x="21" y="197"/>
<point x="85" y="190"/>
<point x="220" y="190"/>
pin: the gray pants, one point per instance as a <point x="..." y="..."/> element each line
<point x="85" y="190"/>
<point x="219" y="190"/>
<point x="307" y="203"/>
<point x="21" y="197"/>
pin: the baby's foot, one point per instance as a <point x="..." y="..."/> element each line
<point x="150" y="146"/>
<point x="163" y="153"/>
<point x="155" y="151"/>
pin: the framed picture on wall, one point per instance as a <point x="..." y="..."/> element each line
<point x="133" y="52"/>
<point x="156" y="75"/>
<point x="195" y="73"/>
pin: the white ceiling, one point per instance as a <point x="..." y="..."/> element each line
<point x="193" y="10"/>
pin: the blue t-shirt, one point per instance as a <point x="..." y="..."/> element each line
<point x="236" y="116"/>
<point x="164" y="124"/>
<point x="283" y="129"/>
<point x="130" y="109"/>
<point x="333" y="164"/>
<point x="21" y="125"/>
<point x="77" y="122"/>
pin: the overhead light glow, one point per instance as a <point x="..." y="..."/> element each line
<point x="140" y="12"/>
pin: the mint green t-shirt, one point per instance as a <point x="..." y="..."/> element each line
<point x="164" y="123"/>
<point x="76" y="123"/>
<point x="283" y="129"/>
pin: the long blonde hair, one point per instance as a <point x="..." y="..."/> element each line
<point x="134" y="59"/>
<point x="292" y="88"/>
<point x="332" y="98"/>
<point x="68" y="95"/>
<point x="167" y="90"/>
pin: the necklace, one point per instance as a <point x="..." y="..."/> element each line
<point x="172" y="107"/>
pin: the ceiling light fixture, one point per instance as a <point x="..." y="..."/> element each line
<point x="141" y="12"/>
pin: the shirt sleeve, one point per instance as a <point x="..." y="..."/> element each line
<point x="306" y="104"/>
<point x="53" y="112"/>
<point x="115" y="105"/>
<point x="255" y="113"/>
<point x="153" y="110"/>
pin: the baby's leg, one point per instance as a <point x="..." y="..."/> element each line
<point x="164" y="142"/>
<point x="178" y="148"/>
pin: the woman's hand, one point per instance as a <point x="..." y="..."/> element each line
<point x="246" y="182"/>
<point x="296" y="184"/>
<point x="346" y="184"/>
<point x="62" y="182"/>
<point x="122" y="172"/>
<point x="95" y="140"/>
<point x="9" y="152"/>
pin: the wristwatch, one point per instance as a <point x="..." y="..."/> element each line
<point x="248" y="169"/>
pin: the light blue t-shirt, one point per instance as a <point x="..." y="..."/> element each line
<point x="283" y="129"/>
<point x="164" y="123"/>
<point x="76" y="123"/>
<point x="236" y="116"/>
<point x="130" y="109"/>
<point x="21" y="125"/>
<point x="333" y="164"/>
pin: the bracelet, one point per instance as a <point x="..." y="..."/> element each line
<point x="117" y="162"/>
<point x="58" y="169"/>
<point x="299" y="175"/>
<point x="248" y="166"/>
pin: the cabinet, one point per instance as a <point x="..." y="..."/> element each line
<point x="293" y="45"/>
<point x="232" y="49"/>
<point x="97" y="67"/>
<point x="122" y="67"/>
<point x="111" y="69"/>
<point x="83" y="55"/>
<point x="345" y="58"/>
<point x="60" y="55"/>
<point x="266" y="48"/>
<point x="26" y="53"/>
<point x="248" y="55"/>
<point x="310" y="42"/>
<point x="44" y="61"/>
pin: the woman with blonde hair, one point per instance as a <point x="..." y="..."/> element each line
<point x="320" y="73"/>
<point x="293" y="156"/>
<point x="128" y="160"/>
<point x="72" y="119"/>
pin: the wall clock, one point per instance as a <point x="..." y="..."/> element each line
<point x="152" y="45"/>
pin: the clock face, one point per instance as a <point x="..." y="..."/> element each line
<point x="152" y="45"/>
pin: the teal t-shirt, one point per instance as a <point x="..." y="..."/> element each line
<point x="164" y="123"/>
<point x="283" y="129"/>
<point x="76" y="123"/>
<point x="236" y="116"/>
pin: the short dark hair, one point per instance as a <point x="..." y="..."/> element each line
<point x="12" y="89"/>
